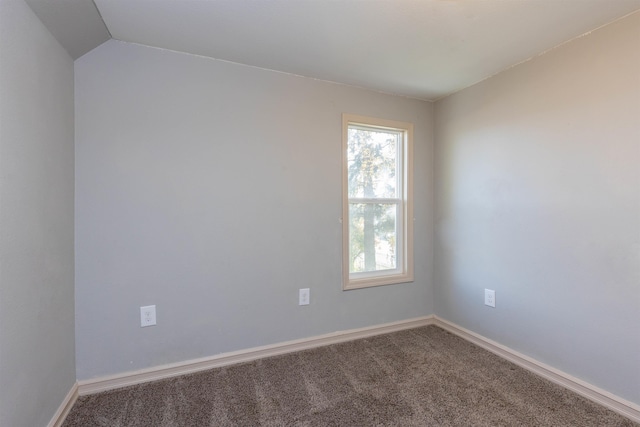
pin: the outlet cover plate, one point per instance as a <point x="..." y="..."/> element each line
<point x="490" y="297"/>
<point x="147" y="316"/>
<point x="303" y="296"/>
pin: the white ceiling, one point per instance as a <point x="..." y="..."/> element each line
<point x="75" y="23"/>
<point x="419" y="48"/>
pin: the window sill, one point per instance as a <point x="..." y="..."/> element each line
<point x="369" y="282"/>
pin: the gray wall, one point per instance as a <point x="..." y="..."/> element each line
<point x="213" y="190"/>
<point x="538" y="197"/>
<point x="37" y="356"/>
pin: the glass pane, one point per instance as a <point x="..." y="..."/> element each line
<point x="372" y="157"/>
<point x="372" y="237"/>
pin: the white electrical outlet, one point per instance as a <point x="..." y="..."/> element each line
<point x="147" y="315"/>
<point x="303" y="296"/>
<point x="490" y="297"/>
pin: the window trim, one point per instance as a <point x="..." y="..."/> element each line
<point x="405" y="273"/>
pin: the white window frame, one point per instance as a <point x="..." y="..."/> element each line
<point x="404" y="267"/>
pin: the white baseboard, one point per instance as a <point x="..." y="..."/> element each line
<point x="65" y="407"/>
<point x="175" y="369"/>
<point x="591" y="392"/>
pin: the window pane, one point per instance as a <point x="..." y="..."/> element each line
<point x="372" y="158"/>
<point x="372" y="237"/>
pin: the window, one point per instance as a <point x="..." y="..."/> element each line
<point x="377" y="242"/>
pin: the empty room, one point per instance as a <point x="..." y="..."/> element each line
<point x="319" y="213"/>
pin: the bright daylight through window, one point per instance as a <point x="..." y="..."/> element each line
<point x="377" y="207"/>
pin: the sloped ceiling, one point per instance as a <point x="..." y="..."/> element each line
<point x="76" y="24"/>
<point x="424" y="49"/>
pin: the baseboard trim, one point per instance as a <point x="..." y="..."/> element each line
<point x="111" y="382"/>
<point x="591" y="392"/>
<point x="65" y="407"/>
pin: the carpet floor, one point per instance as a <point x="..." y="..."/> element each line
<point x="418" y="377"/>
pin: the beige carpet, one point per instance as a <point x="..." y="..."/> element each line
<point x="419" y="377"/>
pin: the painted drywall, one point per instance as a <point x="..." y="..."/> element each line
<point x="538" y="198"/>
<point x="213" y="190"/>
<point x="37" y="353"/>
